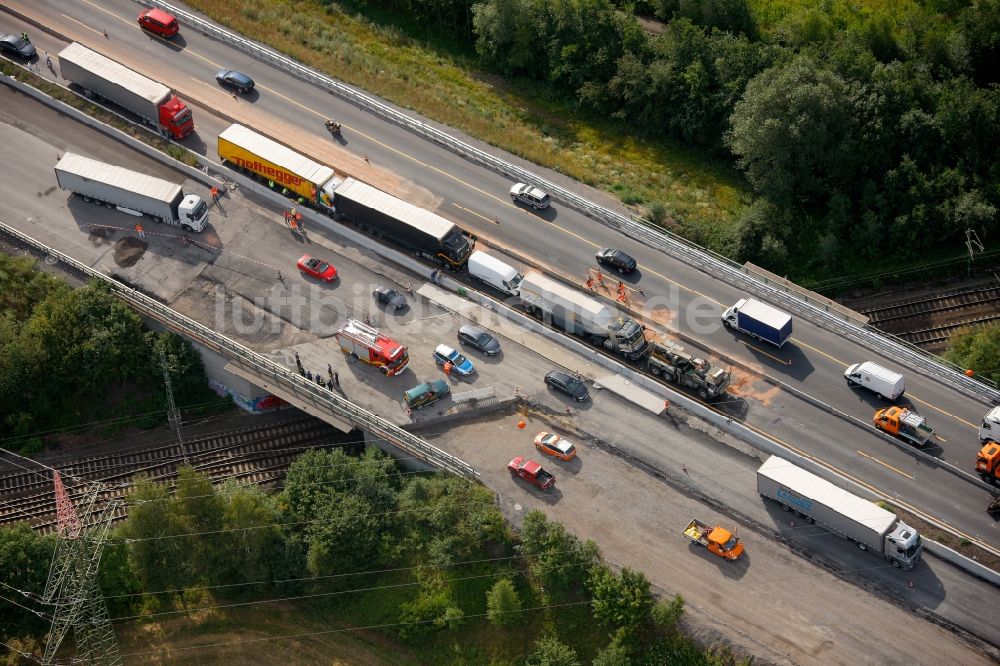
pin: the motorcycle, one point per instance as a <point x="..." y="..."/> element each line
<point x="333" y="127"/>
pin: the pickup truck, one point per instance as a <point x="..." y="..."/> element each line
<point x="720" y="541"/>
<point x="531" y="471"/>
<point x="903" y="423"/>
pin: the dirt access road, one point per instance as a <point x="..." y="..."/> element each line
<point x="776" y="604"/>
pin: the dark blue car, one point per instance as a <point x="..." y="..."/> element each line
<point x="230" y="78"/>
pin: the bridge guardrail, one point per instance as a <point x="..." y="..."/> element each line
<point x="260" y="365"/>
<point x="636" y="228"/>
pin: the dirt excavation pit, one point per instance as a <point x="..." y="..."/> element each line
<point x="129" y="250"/>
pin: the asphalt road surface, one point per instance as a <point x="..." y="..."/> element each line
<point x="227" y="278"/>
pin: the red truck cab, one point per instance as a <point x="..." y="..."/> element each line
<point x="159" y="23"/>
<point x="176" y="117"/>
<point x="531" y="471"/>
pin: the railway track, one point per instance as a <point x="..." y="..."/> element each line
<point x="259" y="455"/>
<point x="929" y="321"/>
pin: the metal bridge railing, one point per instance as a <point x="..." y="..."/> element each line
<point x="259" y="365"/>
<point x="636" y="228"/>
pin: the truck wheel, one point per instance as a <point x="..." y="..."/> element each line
<point x="880" y="396"/>
<point x="655" y="371"/>
<point x="187" y="227"/>
<point x="862" y="546"/>
<point x="596" y="341"/>
<point x="785" y="507"/>
<point x="157" y="219"/>
<point x="725" y="323"/>
<point x="86" y="198"/>
<point x="669" y="377"/>
<point x="809" y="519"/>
<point x="703" y="394"/>
<point x="895" y="563"/>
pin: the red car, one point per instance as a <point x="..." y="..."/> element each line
<point x="317" y="268"/>
<point x="159" y="23"/>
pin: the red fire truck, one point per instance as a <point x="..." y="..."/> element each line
<point x="370" y="346"/>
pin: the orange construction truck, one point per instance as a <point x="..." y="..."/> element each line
<point x="720" y="541"/>
<point x="988" y="462"/>
<point x="903" y="423"/>
<point x="370" y="346"/>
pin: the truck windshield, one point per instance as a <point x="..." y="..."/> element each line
<point x="729" y="545"/>
<point x="632" y="332"/>
<point x="199" y="210"/>
<point x="183" y="118"/>
<point x="457" y="245"/>
<point x="912" y="550"/>
<point x="403" y="358"/>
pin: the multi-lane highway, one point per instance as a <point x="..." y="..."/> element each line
<point x="563" y="240"/>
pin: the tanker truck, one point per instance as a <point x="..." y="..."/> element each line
<point x="576" y="313"/>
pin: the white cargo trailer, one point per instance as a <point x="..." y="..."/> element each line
<point x="131" y="192"/>
<point x="817" y="500"/>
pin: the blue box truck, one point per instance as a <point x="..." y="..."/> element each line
<point x="759" y="320"/>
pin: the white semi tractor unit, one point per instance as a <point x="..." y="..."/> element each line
<point x="131" y="192"/>
<point x="870" y="526"/>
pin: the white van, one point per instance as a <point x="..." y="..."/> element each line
<point x="991" y="426"/>
<point x="881" y="381"/>
<point x="495" y="273"/>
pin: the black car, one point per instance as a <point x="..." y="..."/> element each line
<point x="479" y="339"/>
<point x="389" y="297"/>
<point x="616" y="259"/>
<point x="230" y="78"/>
<point x="17" y="45"/>
<point x="568" y="384"/>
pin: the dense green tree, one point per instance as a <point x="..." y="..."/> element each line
<point x="503" y="605"/>
<point x="316" y="477"/>
<point x="158" y="560"/>
<point x="556" y="558"/>
<point x="623" y="601"/>
<point x="449" y="518"/>
<point x="792" y="132"/>
<point x="550" y="651"/>
<point x="614" y="654"/>
<point x="728" y="15"/>
<point x="980" y="29"/>
<point x="25" y="556"/>
<point x="253" y="544"/>
<point x="977" y="349"/>
<point x="666" y="614"/>
<point x="432" y="610"/>
<point x="345" y="536"/>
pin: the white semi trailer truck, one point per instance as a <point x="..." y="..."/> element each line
<point x="870" y="526"/>
<point x="131" y="192"/>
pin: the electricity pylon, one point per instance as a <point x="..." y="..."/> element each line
<point x="72" y="588"/>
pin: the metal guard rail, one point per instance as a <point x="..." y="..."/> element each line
<point x="710" y="262"/>
<point x="260" y="365"/>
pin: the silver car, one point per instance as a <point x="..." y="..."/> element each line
<point x="529" y="195"/>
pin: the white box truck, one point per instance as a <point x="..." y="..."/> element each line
<point x="881" y="381"/>
<point x="131" y="192"/>
<point x="491" y="271"/>
<point x="819" y="501"/>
